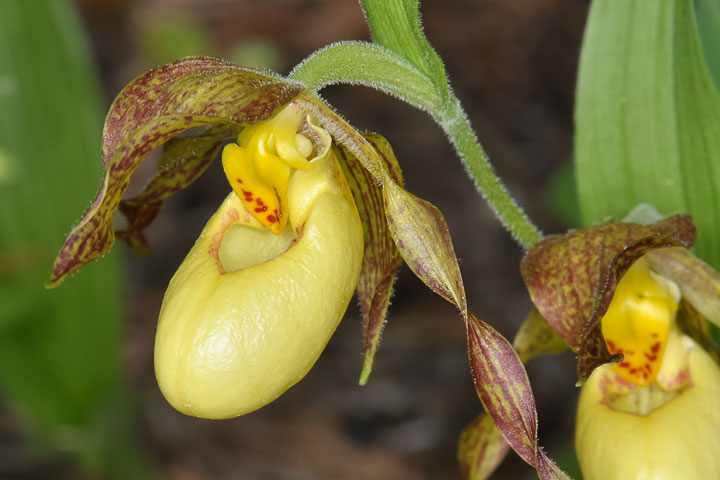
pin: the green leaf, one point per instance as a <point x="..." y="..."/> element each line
<point x="561" y="194"/>
<point x="698" y="120"/>
<point x="648" y="117"/>
<point x="59" y="351"/>
<point x="152" y="109"/>
<point x="395" y="24"/>
<point x="708" y="18"/>
<point x="166" y="37"/>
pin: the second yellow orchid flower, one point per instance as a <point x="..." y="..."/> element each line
<point x="652" y="415"/>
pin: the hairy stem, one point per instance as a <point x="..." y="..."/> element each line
<point x="361" y="63"/>
<point x="457" y="127"/>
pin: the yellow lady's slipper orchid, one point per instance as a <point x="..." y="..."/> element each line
<point x="654" y="415"/>
<point x="253" y="305"/>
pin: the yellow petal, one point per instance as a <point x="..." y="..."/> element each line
<point x="638" y="321"/>
<point x="239" y="327"/>
<point x="260" y="182"/>
<point x="677" y="439"/>
<point x="259" y="166"/>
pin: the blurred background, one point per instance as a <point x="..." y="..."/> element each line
<point x="79" y="397"/>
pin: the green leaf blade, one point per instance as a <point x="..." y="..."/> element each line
<point x="698" y="125"/>
<point x="59" y="351"/>
<point x="624" y="155"/>
<point x="648" y="117"/>
<point x="395" y="24"/>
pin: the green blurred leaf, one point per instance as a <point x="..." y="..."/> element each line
<point x="561" y="192"/>
<point x="648" y="117"/>
<point x="261" y="53"/>
<point x="162" y="40"/>
<point x="395" y="24"/>
<point x="59" y="351"/>
<point x="708" y="18"/>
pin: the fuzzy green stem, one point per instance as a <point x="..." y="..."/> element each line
<point x="457" y="127"/>
<point x="360" y="63"/>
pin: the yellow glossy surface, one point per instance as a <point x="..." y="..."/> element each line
<point x="259" y="166"/>
<point x="637" y="322"/>
<point x="673" y="435"/>
<point x="229" y="342"/>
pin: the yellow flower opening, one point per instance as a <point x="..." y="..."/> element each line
<point x="259" y="166"/>
<point x="638" y="321"/>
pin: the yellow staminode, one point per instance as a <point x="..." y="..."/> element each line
<point x="259" y="166"/>
<point x="638" y="322"/>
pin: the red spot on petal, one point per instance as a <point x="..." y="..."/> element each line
<point x="633" y="371"/>
<point x="655" y="348"/>
<point x="611" y="345"/>
<point x="272" y="218"/>
<point x="239" y="180"/>
<point x="624" y="364"/>
<point x="259" y="201"/>
<point x="261" y="209"/>
<point x="655" y="335"/>
<point x="652" y="358"/>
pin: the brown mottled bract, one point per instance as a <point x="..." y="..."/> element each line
<point x="381" y="258"/>
<point x="184" y="159"/>
<point x="504" y="389"/>
<point x="536" y="337"/>
<point x="571" y="277"/>
<point x="423" y="238"/>
<point x="151" y="110"/>
<point x="481" y="448"/>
